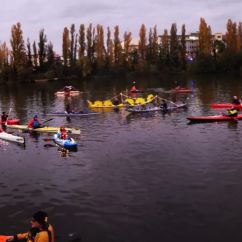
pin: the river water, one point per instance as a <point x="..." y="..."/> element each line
<point x="146" y="178"/>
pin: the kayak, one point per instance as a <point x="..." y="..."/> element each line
<point x="175" y="106"/>
<point x="226" y="105"/>
<point x="10" y="137"/>
<point x="72" y="114"/>
<point x="213" y="118"/>
<point x="181" y="90"/>
<point x="69" y="143"/>
<point x="3" y="238"/>
<point x="46" y="129"/>
<point x="140" y="109"/>
<point x="70" y="93"/>
<point x="11" y="121"/>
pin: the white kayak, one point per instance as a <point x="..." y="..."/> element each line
<point x="10" y="137"/>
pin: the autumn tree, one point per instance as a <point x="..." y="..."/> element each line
<point x="142" y="43"/>
<point x="66" y="47"/>
<point x="110" y="47"/>
<point x="18" y="47"/>
<point x="231" y="36"/>
<point x="239" y="42"/>
<point x="117" y="46"/>
<point x="4" y="55"/>
<point x="99" y="46"/>
<point x="72" y="56"/>
<point x="127" y="48"/>
<point x="205" y="38"/>
<point x="165" y="50"/>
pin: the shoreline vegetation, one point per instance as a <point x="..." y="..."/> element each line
<point x="88" y="52"/>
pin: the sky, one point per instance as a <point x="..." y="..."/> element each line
<point x="54" y="15"/>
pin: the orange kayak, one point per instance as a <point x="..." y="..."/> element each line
<point x="3" y="238"/>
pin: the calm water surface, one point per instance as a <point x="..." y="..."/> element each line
<point x="146" y="178"/>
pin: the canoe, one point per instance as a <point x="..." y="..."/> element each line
<point x="69" y="143"/>
<point x="46" y="129"/>
<point x="213" y="118"/>
<point x="225" y="105"/>
<point x="11" y="121"/>
<point x="72" y="114"/>
<point x="12" y="138"/>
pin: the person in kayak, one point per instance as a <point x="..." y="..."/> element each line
<point x="236" y="101"/>
<point x="62" y="133"/>
<point x="164" y="105"/>
<point x="232" y="112"/>
<point x="4" y="117"/>
<point x="40" y="231"/>
<point x="35" y="122"/>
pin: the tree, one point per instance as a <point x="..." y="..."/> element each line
<point x="99" y="46"/>
<point x="239" y="36"/>
<point x="42" y="48"/>
<point x="205" y="38"/>
<point x="174" y="55"/>
<point x="35" y="55"/>
<point x="18" y="47"/>
<point x="4" y="55"/>
<point x="127" y="48"/>
<point x="66" y="47"/>
<point x="231" y="37"/>
<point x="29" y="55"/>
<point x="117" y="46"/>
<point x="72" y="45"/>
<point x="110" y="47"/>
<point x="183" y="47"/>
<point x="142" y="43"/>
<point x="165" y="50"/>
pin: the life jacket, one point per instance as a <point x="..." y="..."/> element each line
<point x="35" y="124"/>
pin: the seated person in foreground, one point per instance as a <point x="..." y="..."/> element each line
<point x="232" y="112"/>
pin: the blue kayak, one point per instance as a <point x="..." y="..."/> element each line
<point x="69" y="143"/>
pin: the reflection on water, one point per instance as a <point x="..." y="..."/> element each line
<point x="134" y="177"/>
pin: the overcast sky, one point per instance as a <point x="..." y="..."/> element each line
<point x="54" y="15"/>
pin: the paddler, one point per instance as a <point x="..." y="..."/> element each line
<point x="4" y="117"/>
<point x="236" y="101"/>
<point x="62" y="133"/>
<point x="40" y="231"/>
<point x="232" y="112"/>
<point x="34" y="123"/>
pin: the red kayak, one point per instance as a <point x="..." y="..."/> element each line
<point x="181" y="90"/>
<point x="213" y="118"/>
<point x="11" y="121"/>
<point x="226" y="105"/>
<point x="3" y="238"/>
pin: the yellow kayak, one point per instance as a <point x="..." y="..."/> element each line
<point x="45" y="129"/>
<point x="127" y="102"/>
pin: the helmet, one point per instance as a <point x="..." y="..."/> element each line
<point x="35" y="115"/>
<point x="235" y="97"/>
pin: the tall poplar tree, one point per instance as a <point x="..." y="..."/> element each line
<point x="29" y="54"/>
<point x="174" y="54"/>
<point x="127" y="48"/>
<point x="231" y="36"/>
<point x="110" y="48"/>
<point x="117" y="46"/>
<point x="183" y="47"/>
<point x="142" y="43"/>
<point x="72" y="45"/>
<point x="42" y="48"/>
<point x="35" y="55"/>
<point x="205" y="38"/>
<point x="66" y="47"/>
<point x="18" y="47"/>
